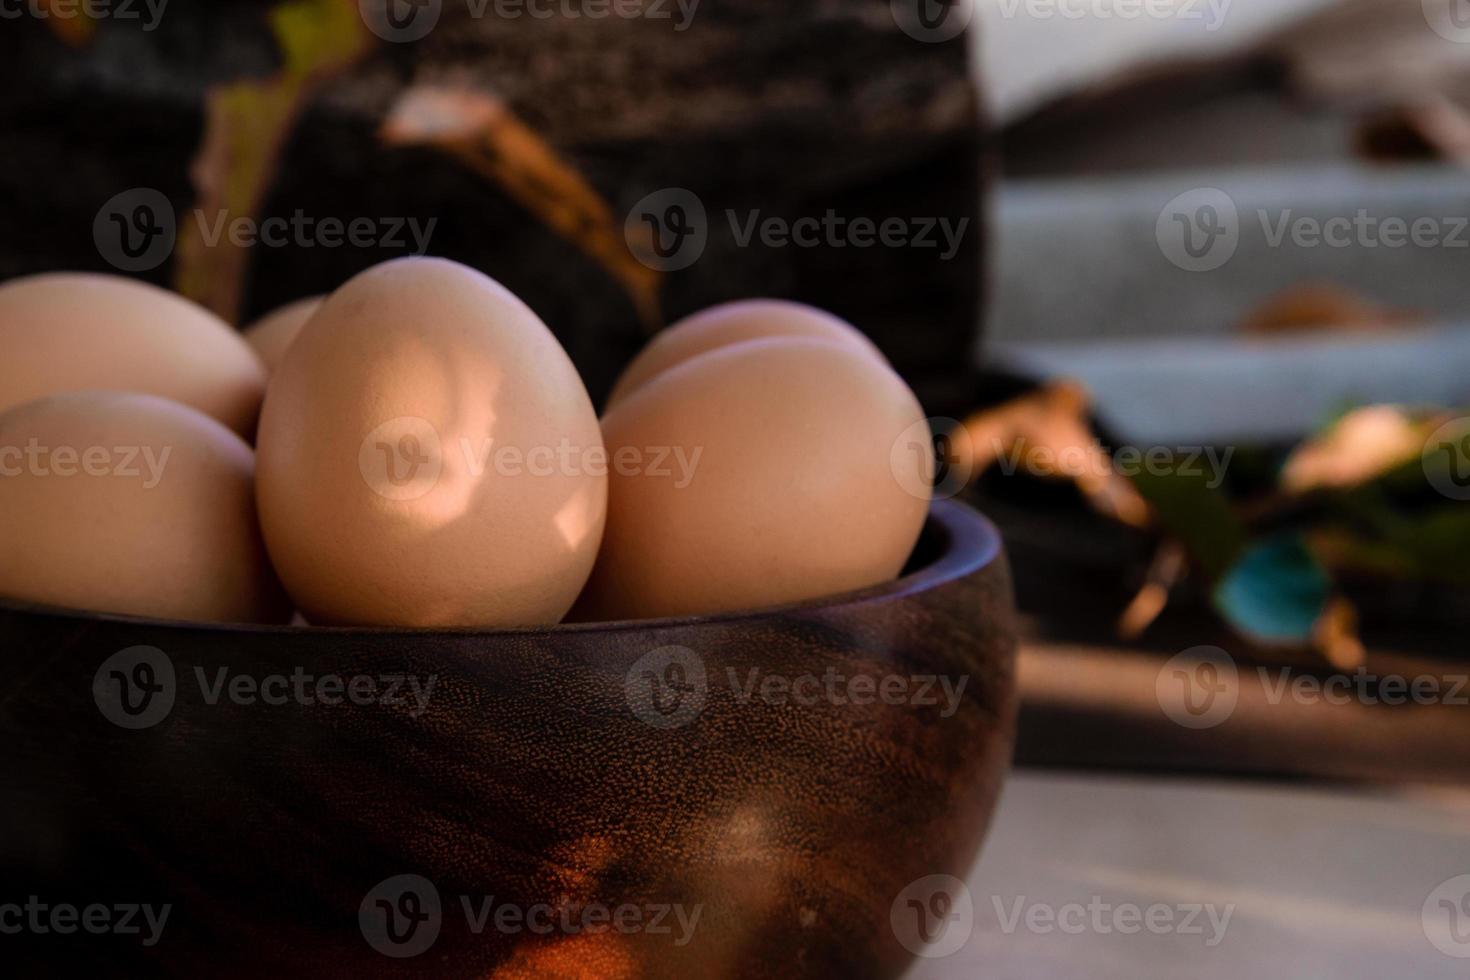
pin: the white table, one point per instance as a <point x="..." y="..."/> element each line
<point x="1319" y="883"/>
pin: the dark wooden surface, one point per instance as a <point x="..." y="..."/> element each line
<point x="529" y="778"/>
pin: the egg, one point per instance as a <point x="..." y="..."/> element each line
<point x="132" y="504"/>
<point x="73" y="331"/>
<point x="732" y="323"/>
<point x="274" y="333"/>
<point x="758" y="474"/>
<point x="430" y="457"/>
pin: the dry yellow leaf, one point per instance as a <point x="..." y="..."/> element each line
<point x="479" y="130"/>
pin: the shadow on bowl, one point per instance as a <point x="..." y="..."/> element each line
<point x="752" y="794"/>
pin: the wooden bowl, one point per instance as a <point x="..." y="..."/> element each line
<point x="731" y="796"/>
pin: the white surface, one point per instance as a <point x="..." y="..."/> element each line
<point x="1081" y="270"/>
<point x="1322" y="884"/>
<point x="1217" y="390"/>
<point x="1082" y="259"/>
<point x="1033" y="50"/>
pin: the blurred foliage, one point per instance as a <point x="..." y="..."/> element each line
<point x="1378" y="492"/>
<point x="1200" y="516"/>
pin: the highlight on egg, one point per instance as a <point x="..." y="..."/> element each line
<point x="75" y="331"/>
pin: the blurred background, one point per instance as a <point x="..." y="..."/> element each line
<point x="1233" y="237"/>
<point x="1183" y="284"/>
<point x="1203" y="245"/>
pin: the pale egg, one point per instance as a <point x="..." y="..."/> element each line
<point x="128" y="503"/>
<point x="74" y="331"/>
<point x="758" y="474"/>
<point x="430" y="457"/>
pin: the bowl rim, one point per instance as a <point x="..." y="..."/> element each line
<point x="967" y="542"/>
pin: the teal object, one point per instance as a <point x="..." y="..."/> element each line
<point x="1276" y="591"/>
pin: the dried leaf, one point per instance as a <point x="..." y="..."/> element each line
<point x="1169" y="566"/>
<point x="1336" y="636"/>
<point x="1323" y="306"/>
<point x="482" y="132"/>
<point x="1360" y="446"/>
<point x="1047" y="433"/>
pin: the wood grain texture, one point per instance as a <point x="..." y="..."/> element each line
<point x="533" y="777"/>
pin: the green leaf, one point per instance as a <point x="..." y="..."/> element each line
<point x="1194" y="512"/>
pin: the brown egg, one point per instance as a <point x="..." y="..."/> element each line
<point x="429" y="457"/>
<point x="127" y="503"/>
<point x="74" y="331"/>
<point x="273" y="334"/>
<point x="732" y="323"/>
<point x="758" y="474"/>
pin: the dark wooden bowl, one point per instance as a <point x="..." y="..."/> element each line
<point x="572" y="775"/>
